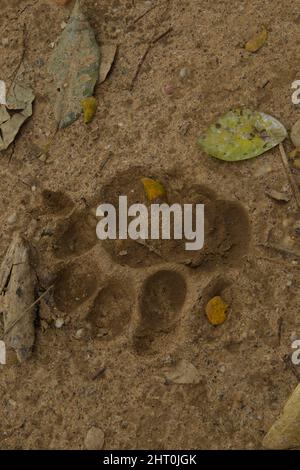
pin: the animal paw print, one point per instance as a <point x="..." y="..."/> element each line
<point x="139" y="290"/>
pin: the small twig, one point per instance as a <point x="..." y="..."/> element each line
<point x="279" y="325"/>
<point x="290" y="176"/>
<point x="143" y="58"/>
<point x="27" y="310"/>
<point x="22" y="57"/>
<point x="144" y="14"/>
<point x="281" y="249"/>
<point x="98" y="373"/>
<point x="105" y="161"/>
<point x="142" y="242"/>
<point x="278" y="262"/>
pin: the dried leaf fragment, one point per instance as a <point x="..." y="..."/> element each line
<point x="19" y="99"/>
<point x="216" y="310"/>
<point x="108" y="53"/>
<point x="257" y="41"/>
<point x="74" y="65"/>
<point x="89" y="107"/>
<point x="295" y="134"/>
<point x="154" y="189"/>
<point x="278" y="195"/>
<point x="285" y="432"/>
<point x="183" y="373"/>
<point x="17" y="296"/>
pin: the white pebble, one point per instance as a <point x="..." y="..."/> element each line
<point x="59" y="322"/>
<point x="184" y="72"/>
<point x="80" y="333"/>
<point x="12" y="219"/>
<point x="94" y="439"/>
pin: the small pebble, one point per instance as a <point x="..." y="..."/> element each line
<point x="12" y="219"/>
<point x="33" y="188"/>
<point x="80" y="333"/>
<point x="168" y="89"/>
<point x="123" y="253"/>
<point x="102" y="332"/>
<point x="43" y="157"/>
<point x="5" y="42"/>
<point x="184" y="73"/>
<point x="94" y="439"/>
<point x="59" y="322"/>
<point x="63" y="25"/>
<point x="294" y="336"/>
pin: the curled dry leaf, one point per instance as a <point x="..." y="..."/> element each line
<point x="278" y="195"/>
<point x="257" y="41"/>
<point x="216" y="311"/>
<point x="17" y="283"/>
<point x="19" y="100"/>
<point x="154" y="189"/>
<point x="74" y="65"/>
<point x="241" y="134"/>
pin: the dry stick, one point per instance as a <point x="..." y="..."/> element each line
<point x="289" y="174"/>
<point x="27" y="310"/>
<point x="144" y="14"/>
<point x="98" y="373"/>
<point x="280" y="249"/>
<point x="22" y="57"/>
<point x="143" y="58"/>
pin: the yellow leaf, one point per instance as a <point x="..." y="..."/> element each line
<point x="89" y="107"/>
<point x="257" y="41"/>
<point x="154" y="189"/>
<point x="216" y="310"/>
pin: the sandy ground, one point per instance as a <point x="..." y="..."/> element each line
<point x="51" y="401"/>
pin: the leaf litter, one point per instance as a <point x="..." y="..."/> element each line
<point x="17" y="110"/>
<point x="75" y="66"/>
<point x="17" y="293"/>
<point x="241" y="134"/>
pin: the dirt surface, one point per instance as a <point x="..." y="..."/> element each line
<point x="140" y="309"/>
